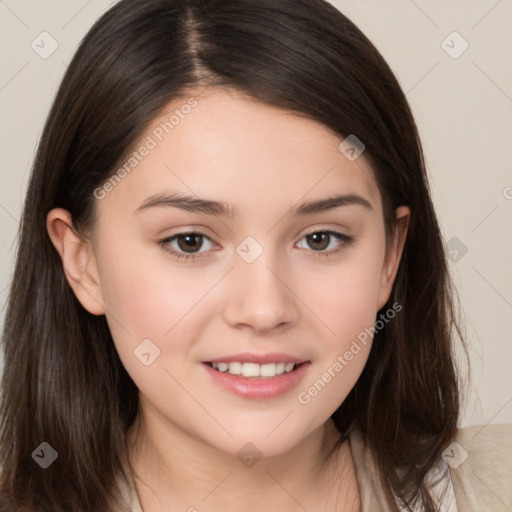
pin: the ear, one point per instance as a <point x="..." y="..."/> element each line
<point x="78" y="260"/>
<point x="393" y="255"/>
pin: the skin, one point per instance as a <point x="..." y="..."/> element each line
<point x="264" y="161"/>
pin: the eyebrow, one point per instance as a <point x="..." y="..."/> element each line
<point x="222" y="209"/>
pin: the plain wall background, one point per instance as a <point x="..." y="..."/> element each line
<point x="463" y="108"/>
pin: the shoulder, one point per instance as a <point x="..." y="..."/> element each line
<point x="480" y="463"/>
<point x="479" y="460"/>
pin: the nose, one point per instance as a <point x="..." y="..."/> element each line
<point x="259" y="296"/>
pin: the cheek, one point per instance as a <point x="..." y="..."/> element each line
<point x="345" y="295"/>
<point x="153" y="300"/>
<point x="346" y="303"/>
<point x="348" y="311"/>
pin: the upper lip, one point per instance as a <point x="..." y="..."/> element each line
<point x="251" y="357"/>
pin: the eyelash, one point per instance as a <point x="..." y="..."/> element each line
<point x="347" y="241"/>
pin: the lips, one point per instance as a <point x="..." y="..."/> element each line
<point x="257" y="376"/>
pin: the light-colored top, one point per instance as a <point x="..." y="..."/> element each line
<point x="473" y="475"/>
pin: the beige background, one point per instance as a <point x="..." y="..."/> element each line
<point x="463" y="107"/>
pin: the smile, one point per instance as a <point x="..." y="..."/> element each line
<point x="257" y="376"/>
<point x="253" y="370"/>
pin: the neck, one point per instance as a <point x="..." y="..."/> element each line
<point x="173" y="470"/>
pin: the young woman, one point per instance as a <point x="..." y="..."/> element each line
<point x="231" y="290"/>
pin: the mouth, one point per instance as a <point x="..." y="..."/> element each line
<point x="257" y="381"/>
<point x="246" y="370"/>
<point x="257" y="376"/>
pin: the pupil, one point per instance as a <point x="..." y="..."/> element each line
<point x="190" y="241"/>
<point x="320" y="238"/>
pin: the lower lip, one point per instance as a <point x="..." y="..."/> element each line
<point x="258" y="388"/>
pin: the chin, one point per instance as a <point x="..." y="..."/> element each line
<point x="258" y="442"/>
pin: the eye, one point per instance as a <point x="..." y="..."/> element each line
<point x="321" y="240"/>
<point x="185" y="245"/>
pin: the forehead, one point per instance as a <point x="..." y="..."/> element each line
<point x="226" y="146"/>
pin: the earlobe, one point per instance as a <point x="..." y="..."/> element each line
<point x="78" y="260"/>
<point x="393" y="255"/>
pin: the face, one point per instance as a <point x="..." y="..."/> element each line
<point x="267" y="278"/>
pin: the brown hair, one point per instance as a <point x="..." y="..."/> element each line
<point x="63" y="382"/>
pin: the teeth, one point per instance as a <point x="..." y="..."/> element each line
<point x="235" y="368"/>
<point x="254" y="370"/>
<point x="268" y="370"/>
<point x="250" y="370"/>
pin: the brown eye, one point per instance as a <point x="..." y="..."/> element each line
<point x="319" y="241"/>
<point x="187" y="245"/>
<point x="190" y="242"/>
